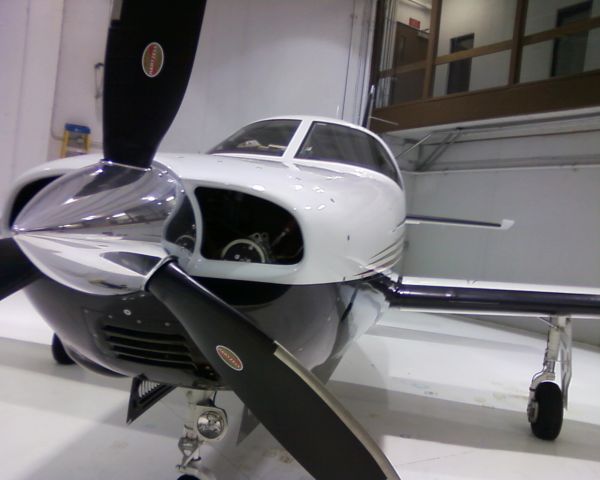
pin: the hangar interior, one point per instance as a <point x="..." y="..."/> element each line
<point x="492" y="110"/>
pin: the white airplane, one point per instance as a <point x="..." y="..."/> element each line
<point x="250" y="268"/>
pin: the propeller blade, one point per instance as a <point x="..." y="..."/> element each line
<point x="291" y="402"/>
<point x="149" y="58"/>
<point x="17" y="271"/>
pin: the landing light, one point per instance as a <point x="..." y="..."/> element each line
<point x="212" y="424"/>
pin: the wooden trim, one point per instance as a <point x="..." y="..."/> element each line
<point x="410" y="67"/>
<point x="565" y="30"/>
<point x="514" y="71"/>
<point x="564" y="93"/>
<point x="434" y="38"/>
<point x="474" y="52"/>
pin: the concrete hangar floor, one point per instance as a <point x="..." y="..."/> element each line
<point x="444" y="397"/>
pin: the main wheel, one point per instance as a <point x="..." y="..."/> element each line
<point x="548" y="414"/>
<point x="187" y="477"/>
<point x="59" y="353"/>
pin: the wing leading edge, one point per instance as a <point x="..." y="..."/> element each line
<point x="407" y="294"/>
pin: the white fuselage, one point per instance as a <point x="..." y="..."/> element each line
<point x="352" y="219"/>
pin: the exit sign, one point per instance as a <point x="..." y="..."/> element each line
<point x="414" y="23"/>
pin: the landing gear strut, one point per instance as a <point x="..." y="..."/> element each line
<point x="205" y="423"/>
<point x="546" y="399"/>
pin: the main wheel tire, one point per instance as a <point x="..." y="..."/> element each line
<point x="187" y="477"/>
<point x="59" y="353"/>
<point x="549" y="418"/>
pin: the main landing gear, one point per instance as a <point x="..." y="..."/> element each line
<point x="205" y="423"/>
<point x="546" y="399"/>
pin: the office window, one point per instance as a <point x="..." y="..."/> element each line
<point x="459" y="72"/>
<point x="569" y="52"/>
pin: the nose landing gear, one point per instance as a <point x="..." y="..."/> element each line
<point x="546" y="399"/>
<point x="206" y="423"/>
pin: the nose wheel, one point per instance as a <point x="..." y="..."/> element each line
<point x="547" y="400"/>
<point x="205" y="423"/>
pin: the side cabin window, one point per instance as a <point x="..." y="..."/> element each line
<point x="268" y="137"/>
<point x="338" y="143"/>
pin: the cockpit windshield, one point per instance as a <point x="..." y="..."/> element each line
<point x="268" y="137"/>
<point x="338" y="143"/>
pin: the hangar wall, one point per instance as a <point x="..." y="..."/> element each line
<point x="544" y="174"/>
<point x="271" y="57"/>
<point x="255" y="59"/>
<point x="250" y="64"/>
<point x="554" y="240"/>
<point x="30" y="38"/>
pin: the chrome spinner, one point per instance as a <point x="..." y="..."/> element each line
<point x="101" y="229"/>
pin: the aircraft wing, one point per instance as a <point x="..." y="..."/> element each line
<point x="555" y="304"/>
<point x="493" y="298"/>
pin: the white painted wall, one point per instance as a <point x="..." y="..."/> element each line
<point x="30" y="38"/>
<point x="255" y="59"/>
<point x="272" y="57"/>
<point x="554" y="241"/>
<point x="85" y="28"/>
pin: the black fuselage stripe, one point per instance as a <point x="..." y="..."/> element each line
<point x="453" y="221"/>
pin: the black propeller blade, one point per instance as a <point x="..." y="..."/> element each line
<point x="16" y="271"/>
<point x="149" y="58"/>
<point x="293" y="405"/>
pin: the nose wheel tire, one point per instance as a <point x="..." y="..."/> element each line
<point x="547" y="413"/>
<point x="59" y="353"/>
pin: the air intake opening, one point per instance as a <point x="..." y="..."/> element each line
<point x="243" y="228"/>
